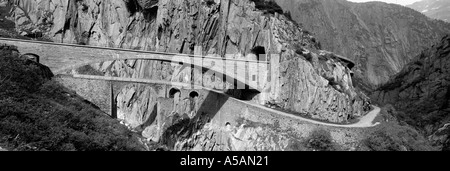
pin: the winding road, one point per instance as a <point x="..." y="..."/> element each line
<point x="364" y="122"/>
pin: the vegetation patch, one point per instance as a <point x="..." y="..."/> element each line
<point x="295" y="145"/>
<point x="38" y="114"/>
<point x="321" y="140"/>
<point x="89" y="70"/>
<point x="394" y="136"/>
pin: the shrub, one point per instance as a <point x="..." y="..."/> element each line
<point x="89" y="70"/>
<point x="21" y="74"/>
<point x="321" y="140"/>
<point x="380" y="141"/>
<point x="295" y="145"/>
<point x="396" y="138"/>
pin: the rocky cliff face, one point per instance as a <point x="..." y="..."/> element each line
<point x="380" y="37"/>
<point x="303" y="79"/>
<point x="421" y="91"/>
<point x="436" y="9"/>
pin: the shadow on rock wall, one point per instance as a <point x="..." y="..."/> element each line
<point x="183" y="126"/>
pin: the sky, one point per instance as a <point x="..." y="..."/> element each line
<point x="401" y="2"/>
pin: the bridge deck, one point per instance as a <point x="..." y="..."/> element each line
<point x="61" y="57"/>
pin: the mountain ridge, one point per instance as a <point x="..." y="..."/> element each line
<point x="436" y="9"/>
<point x="380" y="37"/>
<point x="421" y="93"/>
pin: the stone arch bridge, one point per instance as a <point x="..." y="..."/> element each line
<point x="61" y="58"/>
<point x="253" y="74"/>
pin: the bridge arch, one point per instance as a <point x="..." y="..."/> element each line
<point x="193" y="94"/>
<point x="229" y="76"/>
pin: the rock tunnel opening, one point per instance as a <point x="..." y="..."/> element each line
<point x="174" y="92"/>
<point x="228" y="126"/>
<point x="260" y="53"/>
<point x="248" y="94"/>
<point x="243" y="94"/>
<point x="193" y="94"/>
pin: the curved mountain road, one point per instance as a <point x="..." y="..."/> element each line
<point x="364" y="122"/>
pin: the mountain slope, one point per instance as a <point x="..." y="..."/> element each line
<point x="380" y="37"/>
<point x="421" y="92"/>
<point x="38" y="114"/>
<point x="436" y="9"/>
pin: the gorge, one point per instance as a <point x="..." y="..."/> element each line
<point x="329" y="61"/>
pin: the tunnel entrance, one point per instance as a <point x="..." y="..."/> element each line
<point x="174" y="92"/>
<point x="244" y="94"/>
<point x="248" y="94"/>
<point x="193" y="94"/>
<point x="260" y="53"/>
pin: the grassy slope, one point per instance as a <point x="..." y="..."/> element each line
<point x="39" y="114"/>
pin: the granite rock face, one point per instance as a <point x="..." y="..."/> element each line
<point x="421" y="91"/>
<point x="381" y="38"/>
<point x="301" y="78"/>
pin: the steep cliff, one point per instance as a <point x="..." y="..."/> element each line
<point x="381" y="38"/>
<point x="436" y="9"/>
<point x="421" y="93"/>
